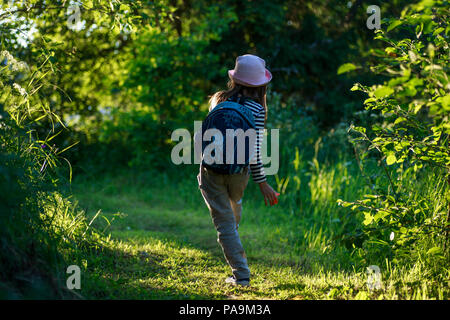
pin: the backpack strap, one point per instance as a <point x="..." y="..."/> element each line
<point x="239" y="108"/>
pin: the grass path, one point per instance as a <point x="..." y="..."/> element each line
<point x="163" y="246"/>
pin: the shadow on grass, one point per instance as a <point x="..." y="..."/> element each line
<point x="116" y="273"/>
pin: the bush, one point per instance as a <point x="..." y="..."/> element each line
<point x="406" y="216"/>
<point x="39" y="226"/>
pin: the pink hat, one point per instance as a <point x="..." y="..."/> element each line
<point x="250" y="71"/>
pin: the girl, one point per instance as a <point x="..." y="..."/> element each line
<point x="223" y="193"/>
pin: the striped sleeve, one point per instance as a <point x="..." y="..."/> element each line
<point x="256" y="166"/>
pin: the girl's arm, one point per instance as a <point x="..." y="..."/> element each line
<point x="269" y="194"/>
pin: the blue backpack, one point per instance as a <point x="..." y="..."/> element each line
<point x="230" y="114"/>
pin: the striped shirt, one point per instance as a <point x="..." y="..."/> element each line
<point x="259" y="114"/>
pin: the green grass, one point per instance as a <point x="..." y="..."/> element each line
<point x="163" y="246"/>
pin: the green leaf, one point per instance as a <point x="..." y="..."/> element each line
<point x="399" y="119"/>
<point x="394" y="25"/>
<point x="367" y="219"/>
<point x="391" y="159"/>
<point x="437" y="31"/>
<point x="434" y="250"/>
<point x="445" y="101"/>
<point x="390" y="50"/>
<point x="383" y="91"/>
<point x="369" y="100"/>
<point x="346" y="67"/>
<point x="360" y="129"/>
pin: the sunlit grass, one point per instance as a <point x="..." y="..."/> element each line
<point x="164" y="247"/>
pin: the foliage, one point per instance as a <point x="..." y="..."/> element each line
<point x="37" y="222"/>
<point x="86" y="55"/>
<point x="169" y="88"/>
<point x="412" y="137"/>
<point x="164" y="58"/>
<point x="105" y="92"/>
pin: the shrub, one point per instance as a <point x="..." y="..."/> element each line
<point x="407" y="214"/>
<point x="38" y="225"/>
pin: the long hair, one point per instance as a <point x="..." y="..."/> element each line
<point x="258" y="94"/>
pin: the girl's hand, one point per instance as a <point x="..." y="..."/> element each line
<point x="270" y="195"/>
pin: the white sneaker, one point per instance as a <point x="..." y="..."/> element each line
<point x="245" y="282"/>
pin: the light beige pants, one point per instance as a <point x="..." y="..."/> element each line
<point x="223" y="196"/>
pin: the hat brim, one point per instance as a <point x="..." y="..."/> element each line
<point x="266" y="80"/>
